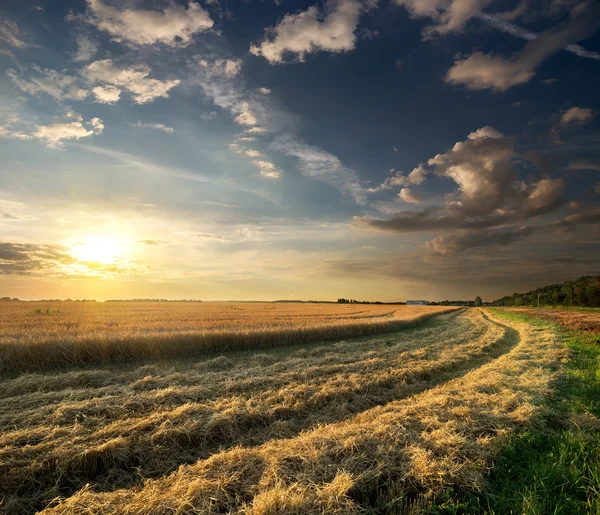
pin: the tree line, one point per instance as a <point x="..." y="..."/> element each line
<point x="583" y="293"/>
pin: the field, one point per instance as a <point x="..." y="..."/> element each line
<point x="44" y="335"/>
<point x="378" y="423"/>
<point x="578" y="319"/>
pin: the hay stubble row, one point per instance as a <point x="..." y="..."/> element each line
<point x="304" y="429"/>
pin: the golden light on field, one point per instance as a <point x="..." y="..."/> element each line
<point x="99" y="249"/>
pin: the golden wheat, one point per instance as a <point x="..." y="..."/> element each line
<point x="39" y="336"/>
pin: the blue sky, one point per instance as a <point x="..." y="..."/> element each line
<point x="263" y="150"/>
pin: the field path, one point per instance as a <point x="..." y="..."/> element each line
<point x="273" y="427"/>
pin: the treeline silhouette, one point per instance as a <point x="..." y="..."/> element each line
<point x="583" y="293"/>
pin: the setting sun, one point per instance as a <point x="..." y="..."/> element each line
<point x="98" y="249"/>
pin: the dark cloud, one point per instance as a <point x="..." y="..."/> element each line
<point x="491" y="203"/>
<point x="26" y="259"/>
<point x="457" y="243"/>
<point x="590" y="216"/>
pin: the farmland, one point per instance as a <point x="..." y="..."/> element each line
<point x="382" y="422"/>
<point x="44" y="335"/>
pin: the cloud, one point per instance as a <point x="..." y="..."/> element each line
<point x="584" y="164"/>
<point x="157" y="126"/>
<point x="409" y="196"/>
<point x="515" y="30"/>
<point x="577" y="116"/>
<point x="86" y="49"/>
<point x="332" y="30"/>
<point x="256" y="130"/>
<point x="589" y="216"/>
<point x="245" y="116"/>
<point x="11" y="34"/>
<point x="417" y="176"/>
<point x="488" y="203"/>
<point x="54" y="135"/>
<point x="449" y="17"/>
<point x="29" y="259"/>
<point x="58" y="85"/>
<point x="461" y="241"/>
<point x="106" y="94"/>
<point x="134" y="79"/>
<point x="97" y="124"/>
<point x="173" y="26"/>
<point x="225" y="67"/>
<point x="318" y="164"/>
<point x="268" y="169"/>
<point x="482" y="167"/>
<point x="264" y="91"/>
<point x="490" y="71"/>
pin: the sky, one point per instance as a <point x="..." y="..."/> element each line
<point x="262" y="150"/>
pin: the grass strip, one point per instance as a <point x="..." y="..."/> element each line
<point x="554" y="467"/>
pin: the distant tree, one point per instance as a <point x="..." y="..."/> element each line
<point x="478" y="301"/>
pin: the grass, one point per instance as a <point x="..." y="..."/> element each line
<point x="555" y="466"/>
<point x="84" y="334"/>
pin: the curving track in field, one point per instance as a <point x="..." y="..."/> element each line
<point x="326" y="426"/>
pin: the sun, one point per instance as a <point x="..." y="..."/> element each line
<point x="98" y="249"/>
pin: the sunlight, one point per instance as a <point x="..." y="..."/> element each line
<point x="99" y="249"/>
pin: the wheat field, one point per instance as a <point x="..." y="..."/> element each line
<point x="380" y="423"/>
<point x="35" y="336"/>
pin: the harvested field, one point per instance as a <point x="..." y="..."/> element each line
<point x="587" y="320"/>
<point x="380" y="422"/>
<point x="45" y="335"/>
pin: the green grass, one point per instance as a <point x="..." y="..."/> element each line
<point x="555" y="468"/>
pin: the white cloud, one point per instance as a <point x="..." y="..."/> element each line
<point x="97" y="124"/>
<point x="245" y="117"/>
<point x="311" y="31"/>
<point x="246" y="138"/>
<point x="449" y="17"/>
<point x="577" y="116"/>
<point x="416" y="176"/>
<point x="409" y="196"/>
<point x="264" y="91"/>
<point x="256" y="130"/>
<point x="74" y="116"/>
<point x="268" y="169"/>
<point x="54" y="135"/>
<point x="225" y="67"/>
<point x="106" y="94"/>
<point x="157" y="126"/>
<point x="252" y="153"/>
<point x="174" y="26"/>
<point x="488" y="71"/>
<point x="134" y="79"/>
<point x="318" y="164"/>
<point x="86" y="49"/>
<point x="11" y="34"/>
<point x="59" y="86"/>
<point x="208" y="116"/>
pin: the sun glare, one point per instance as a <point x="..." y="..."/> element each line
<point x="98" y="249"/>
